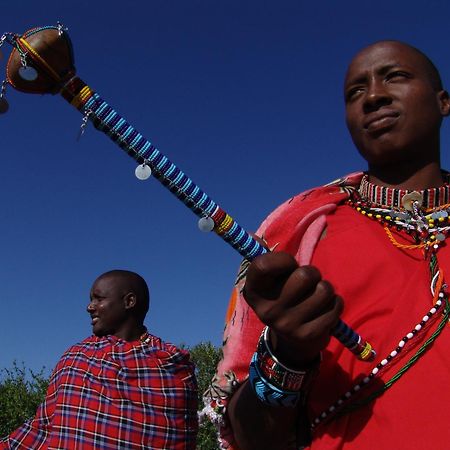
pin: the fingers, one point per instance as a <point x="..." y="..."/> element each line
<point x="299" y="326"/>
<point x="298" y="306"/>
<point x="317" y="307"/>
<point x="267" y="275"/>
<point x="275" y="285"/>
<point x="298" y="341"/>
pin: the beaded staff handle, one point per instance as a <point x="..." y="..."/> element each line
<point x="42" y="62"/>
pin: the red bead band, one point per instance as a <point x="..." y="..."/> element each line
<point x="277" y="373"/>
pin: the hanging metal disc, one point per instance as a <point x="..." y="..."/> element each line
<point x="206" y="224"/>
<point x="143" y="172"/>
<point x="28" y="73"/>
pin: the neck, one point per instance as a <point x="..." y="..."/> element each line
<point x="131" y="333"/>
<point x="407" y="177"/>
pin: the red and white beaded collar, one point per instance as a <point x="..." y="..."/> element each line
<point x="401" y="198"/>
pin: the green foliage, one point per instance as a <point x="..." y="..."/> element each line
<point x="205" y="356"/>
<point x="20" y="395"/>
<point x="207" y="437"/>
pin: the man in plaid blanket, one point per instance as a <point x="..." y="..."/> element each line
<point x="121" y="388"/>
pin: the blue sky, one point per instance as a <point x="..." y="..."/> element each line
<point x="244" y="96"/>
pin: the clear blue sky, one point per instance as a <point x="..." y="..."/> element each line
<point x="244" y="96"/>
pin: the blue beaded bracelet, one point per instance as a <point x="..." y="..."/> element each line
<point x="267" y="392"/>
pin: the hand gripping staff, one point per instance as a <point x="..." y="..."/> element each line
<point x="42" y="62"/>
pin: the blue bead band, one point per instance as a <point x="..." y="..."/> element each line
<point x="267" y="392"/>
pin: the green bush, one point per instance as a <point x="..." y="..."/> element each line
<point x="20" y="395"/>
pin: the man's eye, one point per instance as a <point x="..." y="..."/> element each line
<point x="397" y="74"/>
<point x="352" y="93"/>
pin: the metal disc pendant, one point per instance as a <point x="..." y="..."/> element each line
<point x="4" y="106"/>
<point x="143" y="172"/>
<point x="409" y="199"/>
<point x="28" y="73"/>
<point x="206" y="224"/>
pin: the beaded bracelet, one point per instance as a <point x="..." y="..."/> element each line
<point x="272" y="381"/>
<point x="267" y="392"/>
<point x="277" y="373"/>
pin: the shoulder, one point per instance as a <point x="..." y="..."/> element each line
<point x="298" y="206"/>
<point x="166" y="350"/>
<point x="86" y="346"/>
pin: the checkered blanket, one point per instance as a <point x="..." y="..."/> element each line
<point x="109" y="394"/>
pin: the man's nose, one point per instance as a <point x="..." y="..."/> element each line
<point x="90" y="308"/>
<point x="376" y="96"/>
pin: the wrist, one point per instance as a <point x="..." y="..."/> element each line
<point x="273" y="382"/>
<point x="290" y="356"/>
<point x="284" y="375"/>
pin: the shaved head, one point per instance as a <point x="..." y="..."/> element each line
<point x="126" y="280"/>
<point x="428" y="65"/>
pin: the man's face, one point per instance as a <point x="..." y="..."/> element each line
<point x="107" y="306"/>
<point x="393" y="108"/>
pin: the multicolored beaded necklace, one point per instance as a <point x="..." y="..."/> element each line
<point x="424" y="216"/>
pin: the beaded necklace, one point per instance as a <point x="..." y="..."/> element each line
<point x="424" y="216"/>
<point x="393" y="198"/>
<point x="410" y="212"/>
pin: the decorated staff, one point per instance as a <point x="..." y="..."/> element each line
<point x="42" y="62"/>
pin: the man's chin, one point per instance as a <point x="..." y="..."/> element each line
<point x="99" y="332"/>
<point x="384" y="156"/>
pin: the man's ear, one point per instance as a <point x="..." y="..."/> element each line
<point x="130" y="300"/>
<point x="444" y="102"/>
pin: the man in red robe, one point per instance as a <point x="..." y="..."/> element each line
<point x="370" y="249"/>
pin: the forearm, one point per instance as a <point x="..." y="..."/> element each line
<point x="259" y="426"/>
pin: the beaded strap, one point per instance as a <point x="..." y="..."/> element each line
<point x="106" y="119"/>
